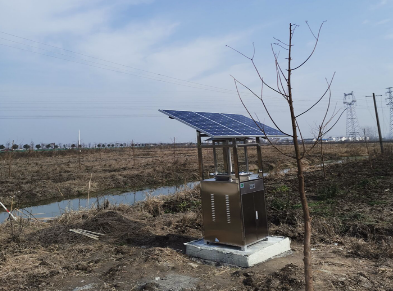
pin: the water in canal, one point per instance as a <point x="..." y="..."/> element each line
<point x="54" y="209"/>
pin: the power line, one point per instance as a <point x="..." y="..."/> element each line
<point x="118" y="71"/>
<point x="111" y="62"/>
<point x="78" y="116"/>
<point x="216" y="89"/>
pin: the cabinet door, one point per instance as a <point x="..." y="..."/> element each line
<point x="260" y="212"/>
<point x="250" y="230"/>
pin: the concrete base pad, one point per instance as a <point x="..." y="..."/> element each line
<point x="274" y="246"/>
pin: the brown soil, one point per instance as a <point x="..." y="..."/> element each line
<point x="29" y="178"/>
<point x="142" y="248"/>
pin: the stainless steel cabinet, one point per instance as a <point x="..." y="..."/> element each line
<point x="234" y="212"/>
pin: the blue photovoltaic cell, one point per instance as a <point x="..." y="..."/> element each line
<point x="221" y="124"/>
<point x="248" y="121"/>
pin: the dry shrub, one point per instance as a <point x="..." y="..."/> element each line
<point x="14" y="230"/>
<point x="153" y="205"/>
<point x="182" y="201"/>
<point x="70" y="216"/>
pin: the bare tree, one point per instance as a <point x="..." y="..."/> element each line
<point x="283" y="88"/>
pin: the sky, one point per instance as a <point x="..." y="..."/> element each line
<point x="106" y="67"/>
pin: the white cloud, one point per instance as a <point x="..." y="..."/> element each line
<point x="190" y="59"/>
<point x="379" y="4"/>
<point x="129" y="45"/>
<point x="39" y="18"/>
<point x="86" y="27"/>
<point x="383" y="21"/>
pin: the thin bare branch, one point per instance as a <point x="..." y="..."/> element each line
<point x="277" y="63"/>
<point x="271" y="143"/>
<point x="313" y="146"/>
<point x="327" y="89"/>
<point x="315" y="46"/>
<point x="279" y="73"/>
<point x="335" y="122"/>
<point x="323" y="124"/>
<point x="261" y="128"/>
<point x="293" y="30"/>
<point x="321" y="134"/>
<point x="311" y="29"/>
<point x="279" y="78"/>
<point x="280" y="41"/>
<point x="239" y="52"/>
<point x="263" y="103"/>
<point x="279" y="82"/>
<point x="256" y="69"/>
<point x="278" y="44"/>
<point x="260" y="77"/>
<point x="328" y="107"/>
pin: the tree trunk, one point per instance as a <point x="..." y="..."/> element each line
<point x="301" y="190"/>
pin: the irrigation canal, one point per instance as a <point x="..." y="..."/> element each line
<point x="53" y="209"/>
<point x="48" y="211"/>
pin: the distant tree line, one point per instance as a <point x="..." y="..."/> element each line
<point x="51" y="146"/>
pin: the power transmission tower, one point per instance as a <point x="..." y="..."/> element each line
<point x="389" y="99"/>
<point x="352" y="120"/>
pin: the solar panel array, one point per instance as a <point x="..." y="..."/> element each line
<point x="222" y="125"/>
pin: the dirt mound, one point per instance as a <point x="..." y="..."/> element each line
<point x="111" y="223"/>
<point x="58" y="234"/>
<point x="288" y="278"/>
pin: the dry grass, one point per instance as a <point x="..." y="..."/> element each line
<point x="39" y="176"/>
<point x="151" y="234"/>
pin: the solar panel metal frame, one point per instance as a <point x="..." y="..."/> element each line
<point x="225" y="115"/>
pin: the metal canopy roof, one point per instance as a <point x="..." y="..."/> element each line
<point x="223" y="125"/>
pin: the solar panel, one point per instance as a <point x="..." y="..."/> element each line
<point x="222" y="125"/>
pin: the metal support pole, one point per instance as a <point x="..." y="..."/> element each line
<point x="215" y="158"/>
<point x="229" y="159"/>
<point x="235" y="158"/>
<point x="379" y="128"/>
<point x="225" y="157"/>
<point x="259" y="153"/>
<point x="200" y="161"/>
<point x="246" y="159"/>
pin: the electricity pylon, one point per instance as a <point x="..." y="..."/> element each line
<point x="389" y="99"/>
<point x="352" y="120"/>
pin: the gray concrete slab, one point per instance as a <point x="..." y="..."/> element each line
<point x="274" y="246"/>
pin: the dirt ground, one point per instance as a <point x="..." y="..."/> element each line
<point x="142" y="247"/>
<point x="30" y="178"/>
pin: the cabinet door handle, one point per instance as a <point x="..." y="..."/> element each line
<point x="256" y="215"/>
